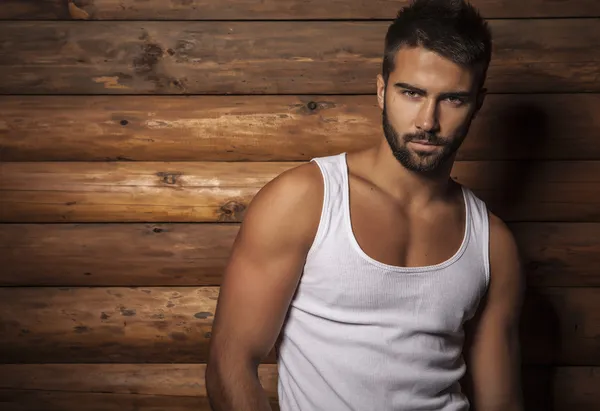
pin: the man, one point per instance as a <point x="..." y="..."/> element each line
<point x="391" y="286"/>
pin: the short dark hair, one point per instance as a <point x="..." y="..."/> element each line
<point x="453" y="29"/>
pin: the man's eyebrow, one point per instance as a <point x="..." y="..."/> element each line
<point x="411" y="88"/>
<point x="415" y="89"/>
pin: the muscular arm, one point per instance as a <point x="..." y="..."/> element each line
<point x="492" y="349"/>
<point x="261" y="277"/>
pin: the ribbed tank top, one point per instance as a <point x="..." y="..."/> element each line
<point x="362" y="335"/>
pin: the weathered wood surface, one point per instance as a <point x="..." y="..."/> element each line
<point x="275" y="128"/>
<point x="560" y="55"/>
<point x="562" y="254"/>
<point x="561" y="326"/>
<point x="25" y="400"/>
<point x="114" y="254"/>
<point x="558" y="389"/>
<point x="270" y="9"/>
<point x="185" y="380"/>
<point x="554" y="254"/>
<point x="211" y="192"/>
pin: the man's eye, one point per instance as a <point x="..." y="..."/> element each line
<point x="455" y="100"/>
<point x="411" y="94"/>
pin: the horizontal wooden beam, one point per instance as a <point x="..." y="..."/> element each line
<point x="270" y="9"/>
<point x="173" y="325"/>
<point x="149" y="386"/>
<point x="276" y="128"/>
<point x="554" y="254"/>
<point x="560" y="55"/>
<point x="220" y="192"/>
<point x="25" y="400"/>
<point x="185" y="380"/>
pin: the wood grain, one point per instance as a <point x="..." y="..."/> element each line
<point x="270" y="9"/>
<point x="24" y="400"/>
<point x="220" y="192"/>
<point x="561" y="326"/>
<point x="554" y="254"/>
<point x="185" y="380"/>
<point x="558" y="389"/>
<point x="275" y="128"/>
<point x="559" y="255"/>
<point x="558" y="55"/>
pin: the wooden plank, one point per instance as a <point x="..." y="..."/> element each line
<point x="559" y="255"/>
<point x="561" y="326"/>
<point x="114" y="254"/>
<point x="269" y="57"/>
<point x="99" y="325"/>
<point x="185" y="380"/>
<point x="211" y="192"/>
<point x="24" y="400"/>
<point x="545" y="388"/>
<point x="554" y="254"/>
<point x="270" y="9"/>
<point x="276" y="128"/>
<point x="137" y="191"/>
<point x="561" y="388"/>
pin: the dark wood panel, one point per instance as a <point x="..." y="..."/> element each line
<point x="559" y="254"/>
<point x="275" y="128"/>
<point x="268" y="57"/>
<point x="146" y="379"/>
<point x="270" y="9"/>
<point x="24" y="400"/>
<point x="210" y="192"/>
<point x="561" y="326"/>
<point x="560" y="388"/>
<point x="555" y="254"/>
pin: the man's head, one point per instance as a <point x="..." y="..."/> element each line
<point x="436" y="57"/>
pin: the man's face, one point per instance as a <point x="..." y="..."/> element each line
<point x="428" y="104"/>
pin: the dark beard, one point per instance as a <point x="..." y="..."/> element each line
<point x="423" y="162"/>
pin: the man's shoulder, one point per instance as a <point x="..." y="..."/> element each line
<point x="298" y="184"/>
<point x="505" y="260"/>
<point x="500" y="234"/>
<point x="288" y="206"/>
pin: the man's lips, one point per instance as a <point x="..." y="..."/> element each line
<point x="424" y="145"/>
<point x="423" y="142"/>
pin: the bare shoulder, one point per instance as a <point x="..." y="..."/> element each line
<point x="289" y="205"/>
<point x="505" y="260"/>
<point x="502" y="240"/>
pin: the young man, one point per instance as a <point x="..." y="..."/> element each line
<point x="391" y="286"/>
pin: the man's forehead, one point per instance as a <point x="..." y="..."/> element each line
<point x="430" y="71"/>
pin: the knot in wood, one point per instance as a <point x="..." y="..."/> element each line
<point x="232" y="211"/>
<point x="168" y="178"/>
<point x="312" y="105"/>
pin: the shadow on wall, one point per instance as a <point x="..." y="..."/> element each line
<point x="525" y="127"/>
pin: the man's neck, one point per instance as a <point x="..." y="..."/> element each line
<point x="379" y="165"/>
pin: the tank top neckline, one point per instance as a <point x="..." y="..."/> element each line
<point x="418" y="269"/>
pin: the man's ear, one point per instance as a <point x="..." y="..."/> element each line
<point x="380" y="91"/>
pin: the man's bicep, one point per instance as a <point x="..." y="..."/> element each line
<point x="255" y="293"/>
<point x="263" y="272"/>
<point x="493" y="351"/>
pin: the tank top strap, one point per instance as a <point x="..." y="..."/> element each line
<point x="479" y="228"/>
<point x="332" y="170"/>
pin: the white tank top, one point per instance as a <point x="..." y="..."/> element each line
<point x="362" y="335"/>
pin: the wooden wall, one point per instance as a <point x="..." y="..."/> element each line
<point x="133" y="134"/>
